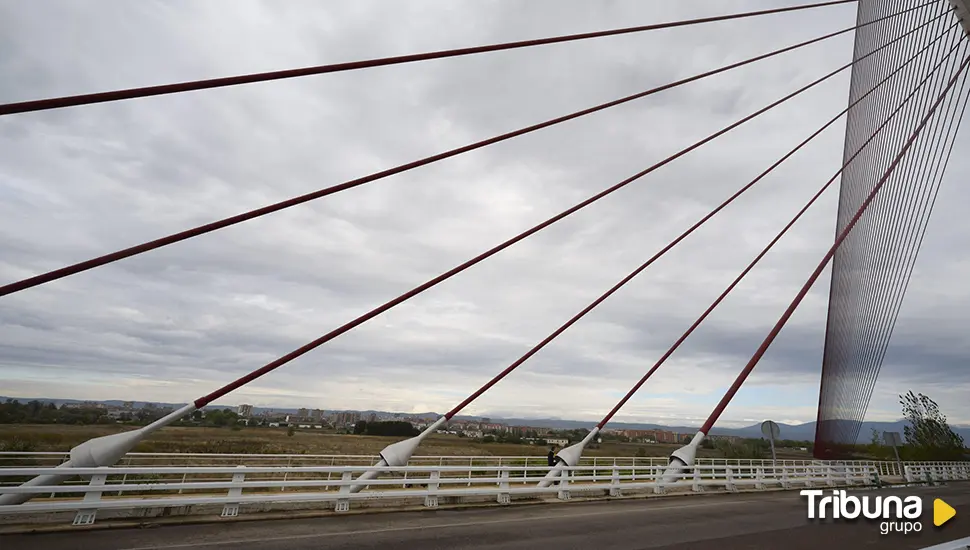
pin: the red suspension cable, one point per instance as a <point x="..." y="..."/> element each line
<point x="86" y="265"/>
<point x="132" y="93"/>
<point x="759" y="353"/>
<point x="555" y="334"/>
<point x="202" y="401"/>
<point x="609" y="416"/>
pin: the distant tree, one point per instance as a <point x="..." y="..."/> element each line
<point x="928" y="436"/>
<point x="360" y="427"/>
<point x="488" y="439"/>
<point x="221" y="417"/>
<point x="291" y="431"/>
<point x="875" y="448"/>
<point x="35" y="412"/>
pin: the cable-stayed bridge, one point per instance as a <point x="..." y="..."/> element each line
<point x="905" y="105"/>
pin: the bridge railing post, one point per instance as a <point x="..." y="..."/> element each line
<point x="231" y="509"/>
<point x="184" y="477"/>
<point x="124" y="478"/>
<point x="759" y="478"/>
<point x="504" y="497"/>
<point x="289" y="464"/>
<point x="431" y="500"/>
<point x="564" y="483"/>
<point x="729" y="474"/>
<point x="658" y="480"/>
<point x="615" y="489"/>
<point x="697" y="487"/>
<point x="86" y="516"/>
<point x="343" y="504"/>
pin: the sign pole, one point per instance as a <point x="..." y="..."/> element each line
<point x="894" y="439"/>
<point x="771" y="431"/>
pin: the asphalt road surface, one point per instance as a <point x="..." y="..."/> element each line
<point x="705" y="522"/>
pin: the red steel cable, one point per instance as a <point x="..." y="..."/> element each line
<point x="86" y="265"/>
<point x="132" y="93"/>
<point x="508" y="370"/>
<point x="555" y="334"/>
<point x="719" y="409"/>
<point x="778" y="237"/>
<point x="202" y="401"/>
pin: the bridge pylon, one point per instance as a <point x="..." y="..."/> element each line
<point x="962" y="8"/>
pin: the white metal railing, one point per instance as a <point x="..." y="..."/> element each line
<point x="142" y="487"/>
<point x="933" y="472"/>
<point x="883" y="468"/>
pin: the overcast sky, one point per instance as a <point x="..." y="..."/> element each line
<point x="176" y="323"/>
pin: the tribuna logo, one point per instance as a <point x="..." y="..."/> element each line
<point x="839" y="505"/>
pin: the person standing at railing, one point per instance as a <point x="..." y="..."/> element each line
<point x="551" y="459"/>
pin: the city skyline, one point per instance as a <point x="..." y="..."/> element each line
<point x="244" y="409"/>
<point x="476" y="427"/>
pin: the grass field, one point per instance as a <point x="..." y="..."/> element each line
<point x="55" y="437"/>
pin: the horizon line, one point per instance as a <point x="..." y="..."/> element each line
<point x="686" y="424"/>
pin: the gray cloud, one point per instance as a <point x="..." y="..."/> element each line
<point x="176" y="323"/>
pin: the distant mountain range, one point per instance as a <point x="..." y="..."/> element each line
<point x="798" y="432"/>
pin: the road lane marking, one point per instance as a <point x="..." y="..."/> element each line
<point x="443" y="525"/>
